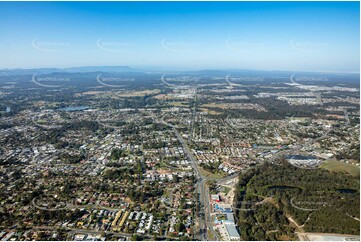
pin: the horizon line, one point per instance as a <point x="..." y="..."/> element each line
<point x="160" y="68"/>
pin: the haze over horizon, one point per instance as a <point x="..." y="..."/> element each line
<point x="286" y="36"/>
<point x="165" y="69"/>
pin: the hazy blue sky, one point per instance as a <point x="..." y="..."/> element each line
<point x="314" y="36"/>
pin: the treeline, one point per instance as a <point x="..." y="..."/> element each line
<point x="276" y="109"/>
<point x="130" y="102"/>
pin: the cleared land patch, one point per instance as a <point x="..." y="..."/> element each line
<point x="338" y="166"/>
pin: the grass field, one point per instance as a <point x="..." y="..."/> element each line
<point x="299" y="119"/>
<point x="333" y="165"/>
<point x="209" y="174"/>
<point x="212" y="112"/>
<point x="178" y="104"/>
<point x="166" y="97"/>
<point x="226" y="189"/>
<point x="210" y="235"/>
<point x="139" y="93"/>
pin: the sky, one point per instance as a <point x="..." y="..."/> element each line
<point x="294" y="36"/>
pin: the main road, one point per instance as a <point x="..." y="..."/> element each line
<point x="203" y="215"/>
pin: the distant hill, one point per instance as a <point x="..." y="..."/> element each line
<point x="83" y="69"/>
<point x="101" y="69"/>
<point x="91" y="71"/>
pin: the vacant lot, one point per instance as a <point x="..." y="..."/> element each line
<point x="209" y="174"/>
